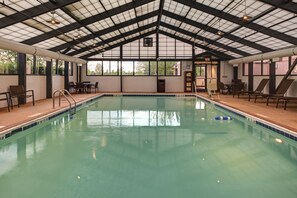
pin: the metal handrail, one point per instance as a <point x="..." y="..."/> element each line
<point x="61" y="92"/>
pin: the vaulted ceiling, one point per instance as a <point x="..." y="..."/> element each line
<point x="88" y="27"/>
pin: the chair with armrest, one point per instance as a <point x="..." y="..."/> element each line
<point x="5" y="96"/>
<point x="19" y="92"/>
<point x="223" y="88"/>
<point x="93" y="86"/>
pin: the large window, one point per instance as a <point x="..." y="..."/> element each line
<point x="257" y="68"/>
<point x="94" y="68"/>
<point x="136" y="68"/>
<point x="173" y="68"/>
<point x="282" y="66"/>
<point x="8" y="62"/>
<point x="127" y="68"/>
<point x="30" y="66"/>
<point x="40" y="65"/>
<point x="110" y="67"/>
<point x="266" y="67"/>
<point x="60" y="67"/>
<point x="142" y="68"/>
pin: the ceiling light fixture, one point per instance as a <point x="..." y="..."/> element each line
<point x="245" y="17"/>
<point x="220" y="33"/>
<point x="53" y="20"/>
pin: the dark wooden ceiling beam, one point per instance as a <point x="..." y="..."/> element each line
<point x="85" y="22"/>
<point x="283" y="4"/>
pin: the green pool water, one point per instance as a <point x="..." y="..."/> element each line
<point x="148" y="147"/>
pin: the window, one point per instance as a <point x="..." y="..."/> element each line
<point x="257" y="68"/>
<point x="127" y="68"/>
<point x="266" y="67"/>
<point x="40" y="65"/>
<point x="141" y="68"/>
<point x="70" y="71"/>
<point x="60" y="67"/>
<point x="245" y="69"/>
<point x="173" y="68"/>
<point x="293" y="58"/>
<point x="282" y="66"/>
<point x="161" y="68"/>
<point x="30" y="66"/>
<point x="94" y="68"/>
<point x="54" y="67"/>
<point x="110" y="67"/>
<point x="8" y="62"/>
<point x="153" y="68"/>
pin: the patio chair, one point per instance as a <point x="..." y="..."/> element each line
<point x="286" y="100"/>
<point x="4" y="96"/>
<point x="72" y="86"/>
<point x="19" y="92"/>
<point x="80" y="87"/>
<point x="223" y="88"/>
<point x="283" y="88"/>
<point x="258" y="90"/>
<point x="237" y="88"/>
<point x="93" y="86"/>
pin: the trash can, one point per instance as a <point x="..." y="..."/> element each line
<point x="161" y="86"/>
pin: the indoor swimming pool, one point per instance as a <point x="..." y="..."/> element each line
<point x="148" y="147"/>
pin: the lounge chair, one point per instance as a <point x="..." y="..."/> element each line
<point x="258" y="90"/>
<point x="18" y="91"/>
<point x="286" y="100"/>
<point x="282" y="89"/>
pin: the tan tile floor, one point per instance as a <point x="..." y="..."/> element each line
<point x="285" y="118"/>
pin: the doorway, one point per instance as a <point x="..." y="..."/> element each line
<point x="206" y="72"/>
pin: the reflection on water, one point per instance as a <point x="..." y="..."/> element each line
<point x="159" y="152"/>
<point x="132" y="118"/>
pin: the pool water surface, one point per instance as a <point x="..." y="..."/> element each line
<point x="144" y="147"/>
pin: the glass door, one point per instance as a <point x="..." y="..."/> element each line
<point x="200" y="77"/>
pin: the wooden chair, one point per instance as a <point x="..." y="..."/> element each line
<point x="223" y="88"/>
<point x="18" y="91"/>
<point x="5" y="96"/>
<point x="212" y="90"/>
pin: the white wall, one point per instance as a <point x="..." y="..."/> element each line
<point x="5" y="82"/>
<point x="58" y="83"/>
<point x="139" y="83"/>
<point x="38" y="84"/>
<point x="226" y="72"/>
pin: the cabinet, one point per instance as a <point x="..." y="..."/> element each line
<point x="188" y="81"/>
<point x="161" y="85"/>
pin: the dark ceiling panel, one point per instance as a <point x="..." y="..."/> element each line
<point x="214" y="31"/>
<point x="121" y="43"/>
<point x="237" y="20"/>
<point x="33" y="12"/>
<point x="105" y="31"/>
<point x="220" y="45"/>
<point x="85" y="22"/>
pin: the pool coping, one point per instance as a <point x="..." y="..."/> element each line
<point x="264" y="123"/>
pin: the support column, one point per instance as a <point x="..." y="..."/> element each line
<point x="121" y="59"/>
<point x="272" y="77"/>
<point x="49" y="79"/>
<point x="22" y="73"/>
<point x="251" y="77"/>
<point x="66" y="75"/>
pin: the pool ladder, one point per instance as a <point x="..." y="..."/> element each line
<point x="62" y="92"/>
